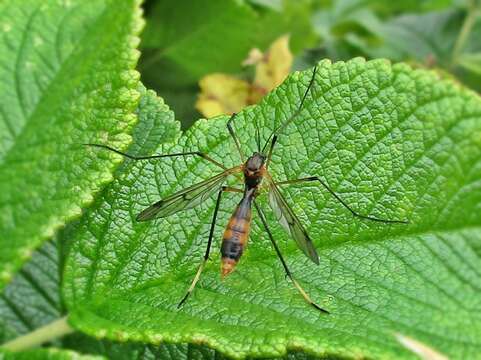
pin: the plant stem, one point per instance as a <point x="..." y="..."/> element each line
<point x="468" y="23"/>
<point x="37" y="337"/>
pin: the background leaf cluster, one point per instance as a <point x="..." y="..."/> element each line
<point x="439" y="34"/>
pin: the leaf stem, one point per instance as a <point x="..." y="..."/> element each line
<point x="55" y="329"/>
<point x="472" y="13"/>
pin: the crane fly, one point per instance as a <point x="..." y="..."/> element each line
<point x="255" y="171"/>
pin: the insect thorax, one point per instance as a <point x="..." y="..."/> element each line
<point x="254" y="170"/>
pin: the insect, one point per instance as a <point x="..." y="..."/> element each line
<point x="255" y="170"/>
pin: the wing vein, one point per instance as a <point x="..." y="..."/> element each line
<point x="290" y="222"/>
<point x="186" y="198"/>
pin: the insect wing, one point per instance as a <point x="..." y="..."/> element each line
<point x="186" y="198"/>
<point x="289" y="221"/>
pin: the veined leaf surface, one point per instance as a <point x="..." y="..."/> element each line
<point x="32" y="299"/>
<point x="391" y="141"/>
<point x="66" y="77"/>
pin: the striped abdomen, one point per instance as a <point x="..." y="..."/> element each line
<point x="236" y="234"/>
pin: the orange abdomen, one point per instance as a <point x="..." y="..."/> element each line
<point x="236" y="235"/>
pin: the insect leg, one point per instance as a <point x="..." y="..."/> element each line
<point x="281" y="127"/>
<point x="195" y="153"/>
<point x="234" y="136"/>
<point x="209" y="243"/>
<point x="288" y="272"/>
<point x="353" y="212"/>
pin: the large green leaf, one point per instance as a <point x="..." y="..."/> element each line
<point x="392" y="141"/>
<point x="66" y="78"/>
<point x="32" y="299"/>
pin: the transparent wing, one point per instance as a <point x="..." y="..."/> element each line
<point x="186" y="198"/>
<point x="290" y="222"/>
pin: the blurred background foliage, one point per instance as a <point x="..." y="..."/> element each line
<point x="185" y="41"/>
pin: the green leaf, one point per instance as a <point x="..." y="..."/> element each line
<point x="391" y="141"/>
<point x="32" y="299"/>
<point x="47" y="354"/>
<point x="429" y="37"/>
<point x="419" y="37"/>
<point x="66" y="78"/>
<point x="340" y="22"/>
<point x="272" y="4"/>
<point x="155" y="123"/>
<point x="432" y="39"/>
<point x="445" y="37"/>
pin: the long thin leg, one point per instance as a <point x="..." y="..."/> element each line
<point x="196" y="153"/>
<point x="293" y="116"/>
<point x="209" y="243"/>
<point x="232" y="133"/>
<point x="281" y="127"/>
<point x="288" y="272"/>
<point x="353" y="212"/>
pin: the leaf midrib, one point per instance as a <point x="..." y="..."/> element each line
<point x="17" y="62"/>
